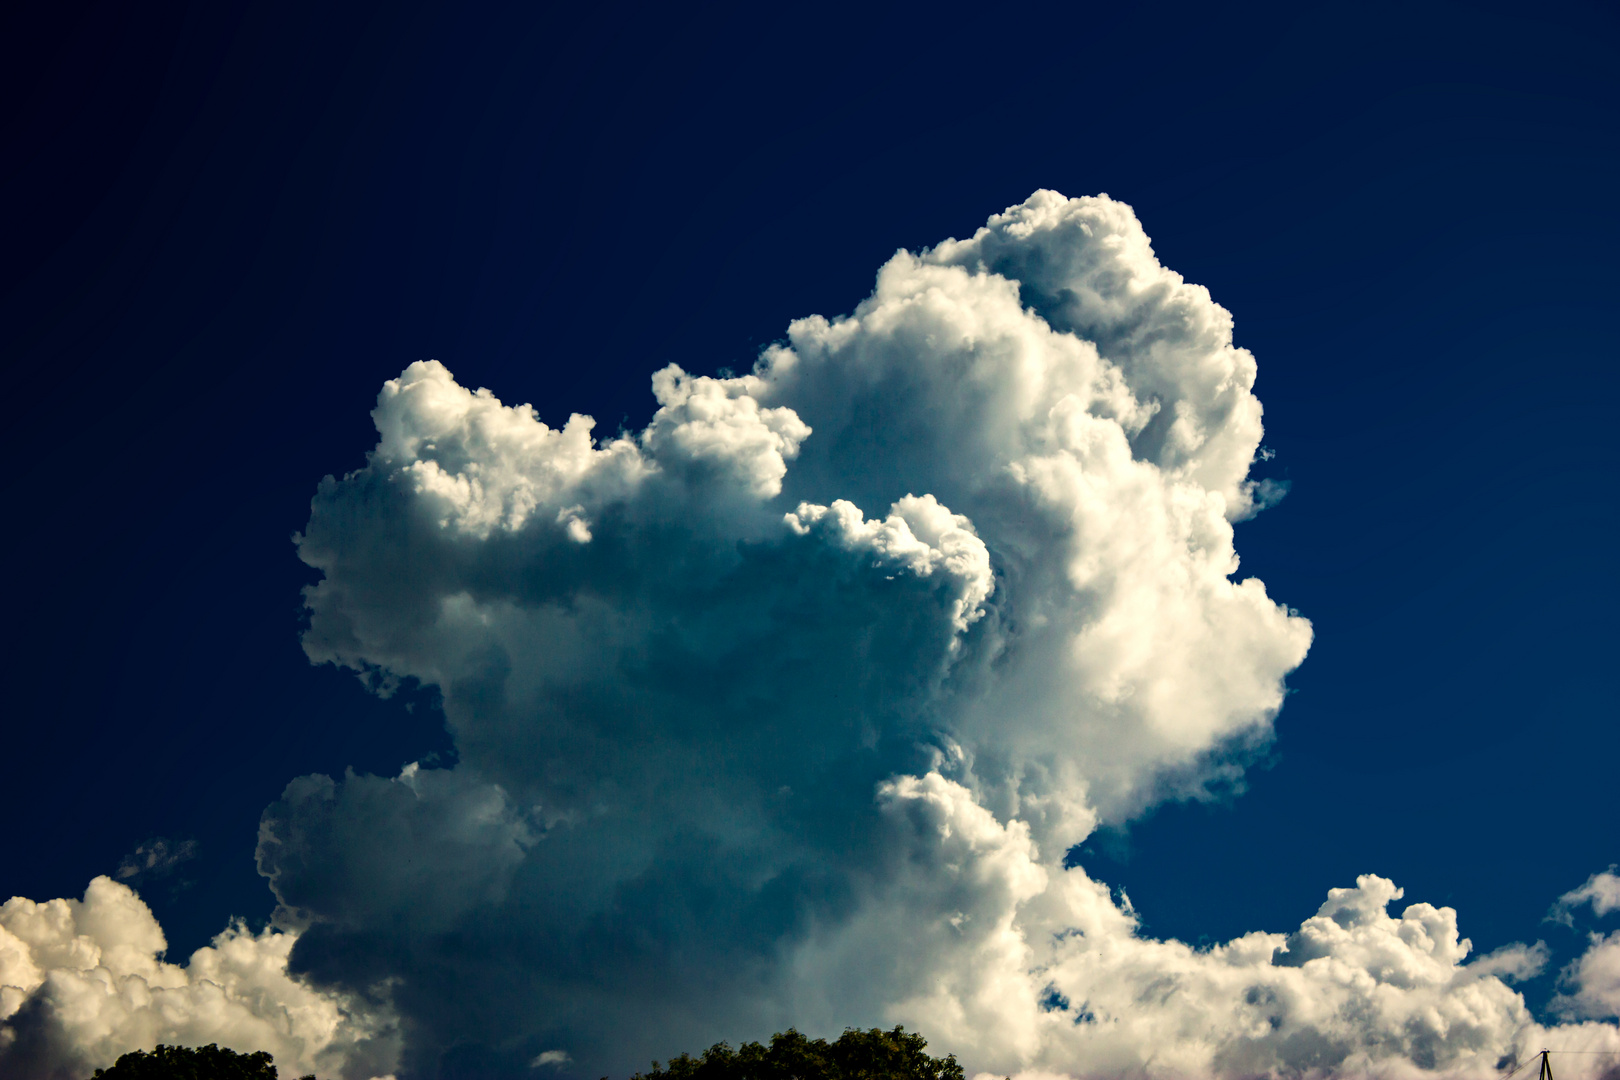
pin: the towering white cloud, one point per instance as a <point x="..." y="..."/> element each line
<point x="785" y="710"/>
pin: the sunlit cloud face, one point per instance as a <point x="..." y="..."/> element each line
<point x="786" y="709"/>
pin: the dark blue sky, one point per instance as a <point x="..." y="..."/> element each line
<point x="226" y="225"/>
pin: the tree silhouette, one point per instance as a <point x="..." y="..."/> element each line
<point x="191" y="1063"/>
<point x="857" y="1055"/>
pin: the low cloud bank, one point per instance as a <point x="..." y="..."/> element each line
<point x="82" y="981"/>
<point x="785" y="710"/>
<point x="1355" y="991"/>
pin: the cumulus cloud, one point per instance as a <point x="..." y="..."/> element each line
<point x="786" y="709"/>
<point x="1591" y="985"/>
<point x="83" y="981"/>
<point x="1593" y="981"/>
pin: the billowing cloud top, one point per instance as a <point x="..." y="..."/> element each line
<point x="786" y="709"/>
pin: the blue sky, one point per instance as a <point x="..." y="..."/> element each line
<point x="233" y="225"/>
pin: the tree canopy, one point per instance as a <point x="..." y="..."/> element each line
<point x="209" y="1062"/>
<point x="856" y="1055"/>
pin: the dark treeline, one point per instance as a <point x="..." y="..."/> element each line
<point x="209" y="1062"/>
<point x="856" y="1055"/>
<point x="873" y="1054"/>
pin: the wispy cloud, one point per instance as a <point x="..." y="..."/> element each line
<point x="1601" y="891"/>
<point x="155" y="858"/>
